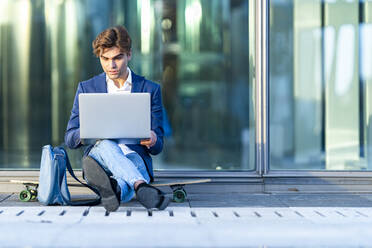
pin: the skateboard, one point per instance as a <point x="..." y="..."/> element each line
<point x="30" y="191"/>
<point x="177" y="186"/>
<point x="179" y="192"/>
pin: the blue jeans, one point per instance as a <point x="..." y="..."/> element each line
<point x="126" y="169"/>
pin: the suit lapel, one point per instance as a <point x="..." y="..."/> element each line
<point x="100" y="83"/>
<point x="137" y="83"/>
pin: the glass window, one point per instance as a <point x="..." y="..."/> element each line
<point x="320" y="85"/>
<point x="200" y="51"/>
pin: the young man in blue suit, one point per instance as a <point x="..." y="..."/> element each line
<point x="118" y="170"/>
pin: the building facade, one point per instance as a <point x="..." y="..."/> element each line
<point x="250" y="88"/>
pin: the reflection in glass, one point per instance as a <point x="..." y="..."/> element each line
<point x="320" y="114"/>
<point x="198" y="50"/>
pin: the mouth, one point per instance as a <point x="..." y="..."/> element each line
<point x="113" y="72"/>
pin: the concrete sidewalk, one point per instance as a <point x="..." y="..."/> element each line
<point x="205" y="220"/>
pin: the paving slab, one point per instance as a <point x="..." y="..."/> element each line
<point x="324" y="200"/>
<point x="13" y="200"/>
<point x="235" y="200"/>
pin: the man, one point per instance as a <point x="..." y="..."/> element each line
<point x="115" y="169"/>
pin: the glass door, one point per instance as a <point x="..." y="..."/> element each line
<point x="320" y="79"/>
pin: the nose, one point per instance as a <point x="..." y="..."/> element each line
<point x="113" y="64"/>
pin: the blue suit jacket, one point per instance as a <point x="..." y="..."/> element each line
<point x="97" y="84"/>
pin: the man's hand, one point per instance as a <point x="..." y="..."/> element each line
<point x="150" y="142"/>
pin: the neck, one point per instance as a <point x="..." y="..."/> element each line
<point x="119" y="82"/>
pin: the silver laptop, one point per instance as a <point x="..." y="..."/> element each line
<point x="114" y="116"/>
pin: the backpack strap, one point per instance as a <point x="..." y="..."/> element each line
<point x="92" y="202"/>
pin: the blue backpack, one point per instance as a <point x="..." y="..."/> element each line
<point x="53" y="188"/>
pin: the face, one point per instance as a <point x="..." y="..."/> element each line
<point x="114" y="62"/>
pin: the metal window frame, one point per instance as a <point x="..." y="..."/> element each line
<point x="263" y="98"/>
<point x="261" y="111"/>
<point x="261" y="108"/>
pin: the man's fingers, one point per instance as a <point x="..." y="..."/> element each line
<point x="146" y="142"/>
<point x="149" y="142"/>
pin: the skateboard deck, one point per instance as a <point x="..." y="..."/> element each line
<point x="177" y="186"/>
<point x="30" y="191"/>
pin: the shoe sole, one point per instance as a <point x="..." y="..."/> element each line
<point x="165" y="203"/>
<point x="150" y="198"/>
<point x="97" y="178"/>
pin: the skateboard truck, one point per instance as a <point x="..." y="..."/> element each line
<point x="179" y="193"/>
<point x="177" y="186"/>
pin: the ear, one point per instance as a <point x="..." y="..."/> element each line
<point x="129" y="54"/>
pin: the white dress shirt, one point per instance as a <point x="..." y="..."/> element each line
<point x="125" y="89"/>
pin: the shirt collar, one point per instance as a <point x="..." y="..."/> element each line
<point x="128" y="81"/>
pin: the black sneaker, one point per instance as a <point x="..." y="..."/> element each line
<point x="96" y="176"/>
<point x="151" y="197"/>
<point x="116" y="188"/>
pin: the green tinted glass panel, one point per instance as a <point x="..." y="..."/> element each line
<point x="320" y="85"/>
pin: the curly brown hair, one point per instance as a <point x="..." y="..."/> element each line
<point x="115" y="36"/>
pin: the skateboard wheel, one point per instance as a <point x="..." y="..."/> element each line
<point x="179" y="195"/>
<point x="25" y="195"/>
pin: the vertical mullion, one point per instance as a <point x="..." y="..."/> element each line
<point x="323" y="80"/>
<point x="261" y="87"/>
<point x="258" y="86"/>
<point x="265" y="84"/>
<point x="361" y="82"/>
